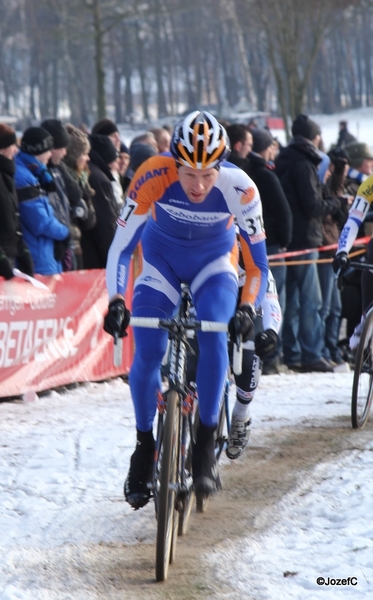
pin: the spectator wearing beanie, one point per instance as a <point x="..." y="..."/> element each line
<point x="277" y="219"/>
<point x="66" y="200"/>
<point x="108" y="128"/>
<point x="96" y="243"/>
<point x="361" y="165"/>
<point x="83" y="214"/>
<point x="58" y="198"/>
<point x="33" y="182"/>
<point x="13" y="249"/>
<point x="296" y="167"/>
<point x="138" y="154"/>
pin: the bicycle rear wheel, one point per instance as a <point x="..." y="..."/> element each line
<point x="167" y="514"/>
<point x="222" y="431"/>
<point x="362" y="387"/>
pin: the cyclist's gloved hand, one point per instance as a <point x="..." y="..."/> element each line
<point x="265" y="343"/>
<point x="341" y="262"/>
<point x="242" y="323"/>
<point x="117" y="318"/>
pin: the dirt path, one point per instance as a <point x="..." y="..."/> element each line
<point x="253" y="485"/>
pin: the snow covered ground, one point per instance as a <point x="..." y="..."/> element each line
<point x="63" y="458"/>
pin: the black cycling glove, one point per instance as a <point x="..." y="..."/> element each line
<point x="117" y="318"/>
<point x="242" y="323"/>
<point x="341" y="262"/>
<point x="265" y="343"/>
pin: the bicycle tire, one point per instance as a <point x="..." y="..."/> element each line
<point x="187" y="502"/>
<point x="362" y="387"/>
<point x="222" y="431"/>
<point x="166" y="538"/>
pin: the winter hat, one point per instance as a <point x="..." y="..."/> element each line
<point x="262" y="139"/>
<point x="104" y="147"/>
<point x="303" y="125"/>
<point x="140" y="153"/>
<point x="323" y="166"/>
<point x="357" y="152"/>
<point x="36" y="140"/>
<point x="124" y="149"/>
<point x="7" y="136"/>
<point x="104" y="127"/>
<point x="57" y="131"/>
<point x="338" y="157"/>
<point x="78" y="145"/>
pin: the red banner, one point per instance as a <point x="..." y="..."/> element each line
<point x="52" y="335"/>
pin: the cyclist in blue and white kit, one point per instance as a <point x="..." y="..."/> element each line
<point x="182" y="208"/>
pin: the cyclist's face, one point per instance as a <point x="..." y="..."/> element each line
<point x="197" y="184"/>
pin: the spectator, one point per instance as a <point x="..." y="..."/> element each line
<point x="83" y="213"/>
<point x="275" y="149"/>
<point x="329" y="175"/>
<point x="13" y="250"/>
<point x="139" y="152"/>
<point x="123" y="164"/>
<point x="344" y="137"/>
<point x="96" y="242"/>
<point x="109" y="128"/>
<point x="163" y="138"/>
<point x="145" y="138"/>
<point x="40" y="226"/>
<point x="351" y="293"/>
<point x="361" y="166"/>
<point x="241" y="143"/>
<point x="296" y="167"/>
<point x="277" y="219"/>
<point x="58" y="198"/>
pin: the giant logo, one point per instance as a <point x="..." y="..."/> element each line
<point x="144" y="178"/>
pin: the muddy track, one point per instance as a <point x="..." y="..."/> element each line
<point x="271" y="467"/>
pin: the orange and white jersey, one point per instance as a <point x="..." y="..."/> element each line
<point x="157" y="209"/>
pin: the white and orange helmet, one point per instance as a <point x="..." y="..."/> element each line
<point x="199" y="141"/>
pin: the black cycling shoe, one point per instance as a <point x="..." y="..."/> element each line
<point x="206" y="479"/>
<point x="136" y="490"/>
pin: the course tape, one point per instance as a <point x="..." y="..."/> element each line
<point x="272" y="258"/>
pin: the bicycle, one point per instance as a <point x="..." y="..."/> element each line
<point x="172" y="483"/>
<point x="362" y="386"/>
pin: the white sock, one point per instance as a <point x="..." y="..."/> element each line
<point x="241" y="412"/>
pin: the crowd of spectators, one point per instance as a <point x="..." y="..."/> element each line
<point x="62" y="189"/>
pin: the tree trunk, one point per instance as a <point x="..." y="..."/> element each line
<point x="141" y="63"/>
<point x="99" y="60"/>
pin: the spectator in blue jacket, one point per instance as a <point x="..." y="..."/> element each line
<point x="33" y="182"/>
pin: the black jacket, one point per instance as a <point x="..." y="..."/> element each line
<point x="11" y="240"/>
<point x="96" y="242"/>
<point x="296" y="168"/>
<point x="277" y="216"/>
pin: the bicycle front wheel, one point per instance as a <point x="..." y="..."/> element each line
<point x="362" y="387"/>
<point x="167" y="514"/>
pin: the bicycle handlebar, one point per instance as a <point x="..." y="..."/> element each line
<point x="359" y="265"/>
<point x="156" y="323"/>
